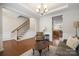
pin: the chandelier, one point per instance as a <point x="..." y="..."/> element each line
<point x="42" y="9"/>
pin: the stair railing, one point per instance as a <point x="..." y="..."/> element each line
<point x="20" y="30"/>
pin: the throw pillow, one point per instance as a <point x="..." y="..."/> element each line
<point x="72" y="42"/>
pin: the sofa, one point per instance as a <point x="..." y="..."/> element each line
<point x="77" y="50"/>
<point x="64" y="50"/>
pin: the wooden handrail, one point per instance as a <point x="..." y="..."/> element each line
<point x="19" y="27"/>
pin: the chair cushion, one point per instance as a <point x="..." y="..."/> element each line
<point x="39" y="33"/>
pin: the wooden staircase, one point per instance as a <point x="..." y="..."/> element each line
<point x="21" y="30"/>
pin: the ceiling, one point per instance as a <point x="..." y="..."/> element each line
<point x="10" y="13"/>
<point x="29" y="9"/>
<point x="51" y="6"/>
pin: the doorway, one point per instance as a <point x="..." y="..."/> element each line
<point x="57" y="29"/>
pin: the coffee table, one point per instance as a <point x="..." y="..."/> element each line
<point x="40" y="45"/>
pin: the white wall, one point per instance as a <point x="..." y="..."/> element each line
<point x="69" y="16"/>
<point x="10" y="22"/>
<point x="0" y="23"/>
<point x="46" y="22"/>
<point x="1" y="43"/>
<point x="33" y="25"/>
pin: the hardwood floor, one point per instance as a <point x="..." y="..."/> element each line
<point x="16" y="48"/>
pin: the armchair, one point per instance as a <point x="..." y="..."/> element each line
<point x="39" y="36"/>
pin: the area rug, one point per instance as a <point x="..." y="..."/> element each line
<point x="45" y="52"/>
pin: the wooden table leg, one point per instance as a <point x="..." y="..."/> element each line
<point x="48" y="48"/>
<point x="1" y="53"/>
<point x="40" y="51"/>
<point x="33" y="51"/>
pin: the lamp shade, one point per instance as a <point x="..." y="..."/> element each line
<point x="76" y="24"/>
